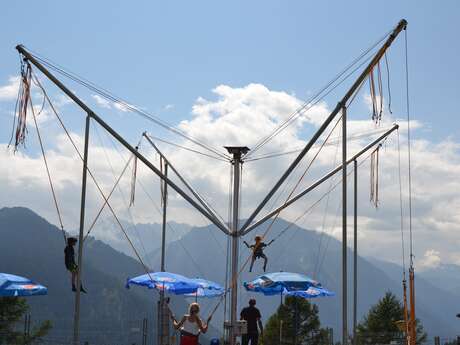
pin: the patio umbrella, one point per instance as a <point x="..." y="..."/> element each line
<point x="280" y="282"/>
<point x="207" y="289"/>
<point x="165" y="281"/>
<point x="311" y="292"/>
<point x="12" y="285"/>
<point x="287" y="283"/>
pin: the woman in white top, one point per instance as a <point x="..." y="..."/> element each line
<point x="191" y="325"/>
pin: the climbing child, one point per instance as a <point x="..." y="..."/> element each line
<point x="258" y="251"/>
<point x="70" y="262"/>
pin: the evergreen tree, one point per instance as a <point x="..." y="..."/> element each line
<point x="12" y="311"/>
<point x="300" y="324"/>
<point x="379" y="326"/>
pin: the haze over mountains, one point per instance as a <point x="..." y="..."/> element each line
<point x="32" y="247"/>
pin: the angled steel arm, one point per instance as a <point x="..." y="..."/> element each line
<point x="320" y="181"/>
<point x="401" y="25"/>
<point x="118" y="137"/>
<point x="189" y="187"/>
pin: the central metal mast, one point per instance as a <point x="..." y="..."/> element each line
<point x="237" y="152"/>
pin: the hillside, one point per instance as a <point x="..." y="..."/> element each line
<point x="32" y="247"/>
<point x="145" y="236"/>
<point x="202" y="251"/>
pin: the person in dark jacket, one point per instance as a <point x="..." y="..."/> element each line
<point x="253" y="318"/>
<point x="70" y="262"/>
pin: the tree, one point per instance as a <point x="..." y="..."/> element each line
<point x="379" y="326"/>
<point x="300" y="324"/>
<point x="12" y="310"/>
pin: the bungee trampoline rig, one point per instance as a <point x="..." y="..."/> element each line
<point x="370" y="61"/>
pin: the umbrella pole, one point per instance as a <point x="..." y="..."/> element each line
<point x="281" y="320"/>
<point x="296" y="320"/>
<point x="281" y="331"/>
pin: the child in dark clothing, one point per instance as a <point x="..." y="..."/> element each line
<point x="70" y="262"/>
<point x="258" y="251"/>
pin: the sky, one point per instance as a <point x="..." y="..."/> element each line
<point x="228" y="74"/>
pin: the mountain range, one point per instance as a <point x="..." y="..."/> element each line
<point x="110" y="313"/>
<point x="32" y="247"/>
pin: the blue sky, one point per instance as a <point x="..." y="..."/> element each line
<point x="166" y="56"/>
<point x="160" y="53"/>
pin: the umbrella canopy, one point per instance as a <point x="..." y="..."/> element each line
<point x="311" y="292"/>
<point x="280" y="282"/>
<point x="12" y="285"/>
<point x="207" y="289"/>
<point x="166" y="281"/>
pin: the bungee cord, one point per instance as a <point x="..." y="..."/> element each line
<point x="48" y="173"/>
<point x="159" y="211"/>
<point x="332" y="141"/>
<point x="93" y="223"/>
<point x="408" y="147"/>
<point x="401" y="209"/>
<point x="319" y="95"/>
<point x="326" y="211"/>
<point x="374" y="177"/>
<point x="186" y="148"/>
<point x="90" y="173"/>
<point x="124" y="104"/>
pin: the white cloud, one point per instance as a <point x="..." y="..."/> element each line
<point x="102" y="102"/>
<point x="431" y="259"/>
<point x="121" y="107"/>
<point x="9" y="92"/>
<point x="242" y="116"/>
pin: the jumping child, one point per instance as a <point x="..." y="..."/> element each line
<point x="70" y="262"/>
<point x="258" y="251"/>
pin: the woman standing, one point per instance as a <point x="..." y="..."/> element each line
<point x="191" y="325"/>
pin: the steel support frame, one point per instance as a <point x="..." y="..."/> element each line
<point x="234" y="232"/>
<point x="319" y="181"/>
<point x="343" y="102"/>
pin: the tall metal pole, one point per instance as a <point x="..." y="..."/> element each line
<point x="413" y="324"/>
<point x="355" y="251"/>
<point x="76" y="321"/>
<point x="237" y="153"/>
<point x="163" y="232"/>
<point x="235" y="246"/>
<point x="344" y="229"/>
<point x="163" y="334"/>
